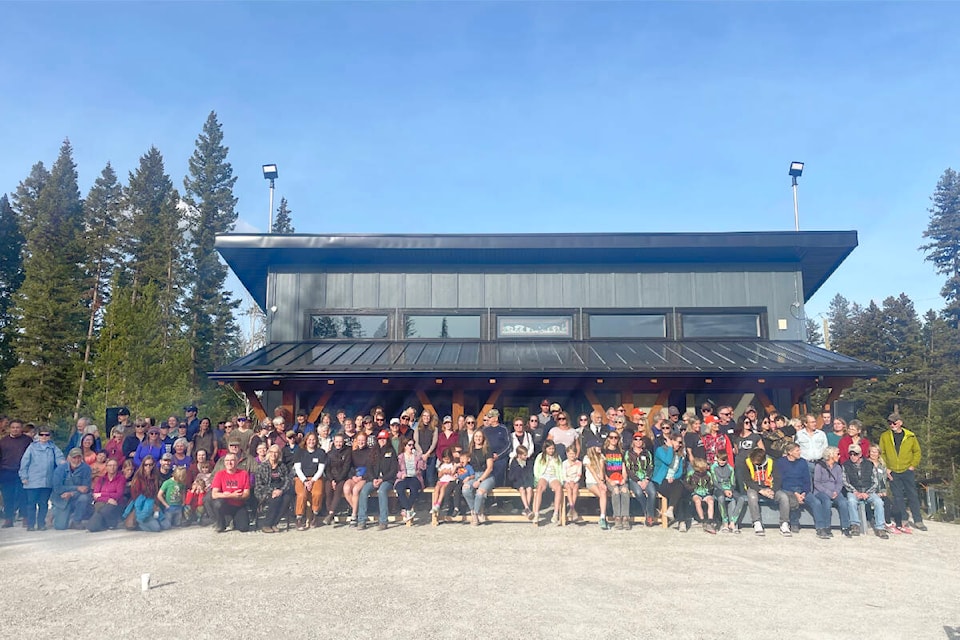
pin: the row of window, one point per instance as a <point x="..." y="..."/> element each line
<point x="507" y="325"/>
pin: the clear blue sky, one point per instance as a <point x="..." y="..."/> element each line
<point x="517" y="117"/>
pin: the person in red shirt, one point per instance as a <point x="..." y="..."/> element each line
<point x="852" y="437"/>
<point x="231" y="490"/>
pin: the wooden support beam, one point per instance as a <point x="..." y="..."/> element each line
<point x="595" y="402"/>
<point x="425" y="403"/>
<point x="319" y="405"/>
<point x="457" y="404"/>
<point x="662" y="398"/>
<point x="837" y="386"/>
<point x="288" y="404"/>
<point x="254" y="401"/>
<point x="626" y="399"/>
<point x="491" y="401"/>
<point x="762" y="398"/>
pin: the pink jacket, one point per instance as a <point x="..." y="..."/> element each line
<point x="110" y="488"/>
<point x="418" y="463"/>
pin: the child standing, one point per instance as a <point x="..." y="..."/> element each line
<point x="170" y="496"/>
<point x="700" y="485"/>
<point x="193" y="503"/>
<point x="446" y="473"/>
<point x="728" y="498"/>
<point x="572" y="472"/>
<point x="520" y="476"/>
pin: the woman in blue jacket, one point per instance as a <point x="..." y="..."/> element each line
<point x="668" y="476"/>
<point x="36" y="473"/>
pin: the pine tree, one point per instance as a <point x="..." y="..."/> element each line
<point x="103" y="212"/>
<point x="155" y="241"/>
<point x="27" y="196"/>
<point x="11" y="276"/>
<point x="50" y="307"/>
<point x="943" y="231"/>
<point x="211" y="328"/>
<point x="814" y="336"/>
<point x="283" y="223"/>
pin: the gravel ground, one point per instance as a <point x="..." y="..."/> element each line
<point x="501" y="580"/>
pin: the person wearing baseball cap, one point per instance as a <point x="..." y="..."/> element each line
<point x="900" y="451"/>
<point x="71" y="498"/>
<point x="545" y="417"/>
<point x="193" y="423"/>
<point x="861" y="486"/>
<point x="383" y="475"/>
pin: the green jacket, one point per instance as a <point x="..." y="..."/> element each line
<point x="909" y="455"/>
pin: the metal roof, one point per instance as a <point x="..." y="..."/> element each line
<point x="306" y="360"/>
<point x="817" y="253"/>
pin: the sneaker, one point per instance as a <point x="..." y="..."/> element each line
<point x="352" y="522"/>
<point x="220" y="530"/>
<point x="734" y="529"/>
<point x="650" y="522"/>
<point x="726" y="529"/>
<point x="794" y="529"/>
<point x="905" y="529"/>
<point x="434" y="519"/>
<point x="892" y="529"/>
<point x="30" y="527"/>
<point x="317" y="521"/>
<point x="618" y="523"/>
<point x="328" y="520"/>
<point x="603" y="523"/>
<point x="854" y="529"/>
<point x="482" y="518"/>
<point x="627" y="523"/>
<point x="669" y="513"/>
<point x="709" y="528"/>
<point x="527" y="513"/>
<point x="301" y="524"/>
<point x="882" y="534"/>
<point x="823" y="534"/>
<point x="846" y="532"/>
<point x="683" y="527"/>
<point x="758" y="528"/>
<point x="555" y="517"/>
<point x="919" y="526"/>
<point x="785" y="529"/>
<point x="41" y="527"/>
<point x="268" y="530"/>
<point x="363" y="525"/>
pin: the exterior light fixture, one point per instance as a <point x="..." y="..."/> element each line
<point x="270" y="173"/>
<point x="796" y="170"/>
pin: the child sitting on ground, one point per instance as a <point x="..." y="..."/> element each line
<point x="520" y="477"/>
<point x="572" y="472"/>
<point x="700" y="485"/>
<point x="447" y="472"/>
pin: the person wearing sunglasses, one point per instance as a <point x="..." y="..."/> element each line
<point x="409" y="480"/>
<point x="861" y="486"/>
<point x="900" y="450"/>
<point x="39" y="462"/>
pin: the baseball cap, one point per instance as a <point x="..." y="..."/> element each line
<point x="233" y="441"/>
<point x="447" y="419"/>
<point x="494" y="413"/>
<point x="167" y="456"/>
<point x="673" y="411"/>
<point x="123" y="411"/>
<point x="75" y="452"/>
<point x="854" y="448"/>
<point x="384" y="434"/>
<point x="893" y="417"/>
<point x="555" y="407"/>
<point x="394" y="420"/>
<point x="190" y="408"/>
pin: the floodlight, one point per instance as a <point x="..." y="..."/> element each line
<point x="270" y="171"/>
<point x="796" y="169"/>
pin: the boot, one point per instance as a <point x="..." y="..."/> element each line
<point x="301" y="524"/>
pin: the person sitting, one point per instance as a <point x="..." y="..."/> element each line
<point x="639" y="464"/>
<point x="384" y="473"/>
<point x="861" y="486"/>
<point x="791" y="481"/>
<point x="547" y="472"/>
<point x="729" y="500"/>
<point x="758" y="480"/>
<point x="107" y="498"/>
<point x="272" y="482"/>
<point x="700" y="485"/>
<point x="828" y="489"/>
<point x="231" y="489"/>
<point x="668" y="476"/>
<point x="71" y="497"/>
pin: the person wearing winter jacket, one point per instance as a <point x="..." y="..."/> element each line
<point x="828" y="490"/>
<point x="36" y="473"/>
<point x="861" y="486"/>
<point x="900" y="450"/>
<point x="71" y="497"/>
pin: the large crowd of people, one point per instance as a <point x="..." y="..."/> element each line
<point x="704" y="469"/>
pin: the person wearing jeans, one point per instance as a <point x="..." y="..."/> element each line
<point x="791" y="480"/>
<point x="475" y="491"/>
<point x="639" y="469"/>
<point x="860" y="482"/>
<point x="409" y="479"/>
<point x="36" y="473"/>
<point x="383" y="474"/>
<point x="828" y="488"/>
<point x="71" y="496"/>
<point x="12" y="448"/>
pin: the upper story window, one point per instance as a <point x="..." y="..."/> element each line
<point x="442" y="326"/>
<point x="326" y="327"/>
<point x="720" y="325"/>
<point x="552" y="326"/>
<point x="628" y="326"/>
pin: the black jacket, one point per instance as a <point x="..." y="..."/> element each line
<point x="338" y="464"/>
<point x="386" y="464"/>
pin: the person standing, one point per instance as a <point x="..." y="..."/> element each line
<point x="193" y="423"/>
<point x="12" y="448"/>
<point x="36" y="473"/>
<point x="900" y="450"/>
<point x="812" y="442"/>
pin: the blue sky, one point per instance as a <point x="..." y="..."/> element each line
<point x="517" y="117"/>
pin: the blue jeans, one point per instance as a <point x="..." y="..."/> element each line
<point x="647" y="498"/>
<point x="174" y="514"/>
<point x="730" y="508"/>
<point x="383" y="497"/>
<point x="77" y="508"/>
<point x="875" y="501"/>
<point x="431" y="472"/>
<point x="154" y="525"/>
<point x="35" y="503"/>
<point x="477" y="497"/>
<point x="12" y="490"/>
<point x="821" y="504"/>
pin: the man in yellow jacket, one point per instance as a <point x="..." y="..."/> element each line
<point x="900" y="450"/>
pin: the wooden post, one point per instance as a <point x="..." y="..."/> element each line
<point x="762" y="398"/>
<point x="662" y="398"/>
<point x="320" y="404"/>
<point x="594" y="401"/>
<point x="626" y="399"/>
<point x="287" y="403"/>
<point x="457" y="404"/>
<point x="426" y="404"/>
<point x="837" y="386"/>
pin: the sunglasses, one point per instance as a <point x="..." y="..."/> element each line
<point x="404" y="419"/>
<point x="44" y="435"/>
<point x="561" y="419"/>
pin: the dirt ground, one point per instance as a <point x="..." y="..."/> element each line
<point x="500" y="580"/>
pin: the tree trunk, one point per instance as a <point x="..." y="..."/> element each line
<point x="86" y="352"/>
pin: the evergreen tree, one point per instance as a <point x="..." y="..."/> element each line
<point x="943" y="231"/>
<point x="840" y="320"/>
<point x="11" y="276"/>
<point x="814" y="336"/>
<point x="211" y="328"/>
<point x="103" y="212"/>
<point x="27" y="197"/>
<point x="50" y="307"/>
<point x="155" y="241"/>
<point x="941" y="379"/>
<point x="283" y="223"/>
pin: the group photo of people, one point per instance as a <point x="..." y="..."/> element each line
<point x="705" y="469"/>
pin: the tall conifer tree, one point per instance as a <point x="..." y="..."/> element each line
<point x="50" y="303"/>
<point x="11" y="276"/>
<point x="943" y="231"/>
<point x="211" y="328"/>
<point x="283" y="223"/>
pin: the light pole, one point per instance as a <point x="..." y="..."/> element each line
<point x="796" y="170"/>
<point x="270" y="173"/>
